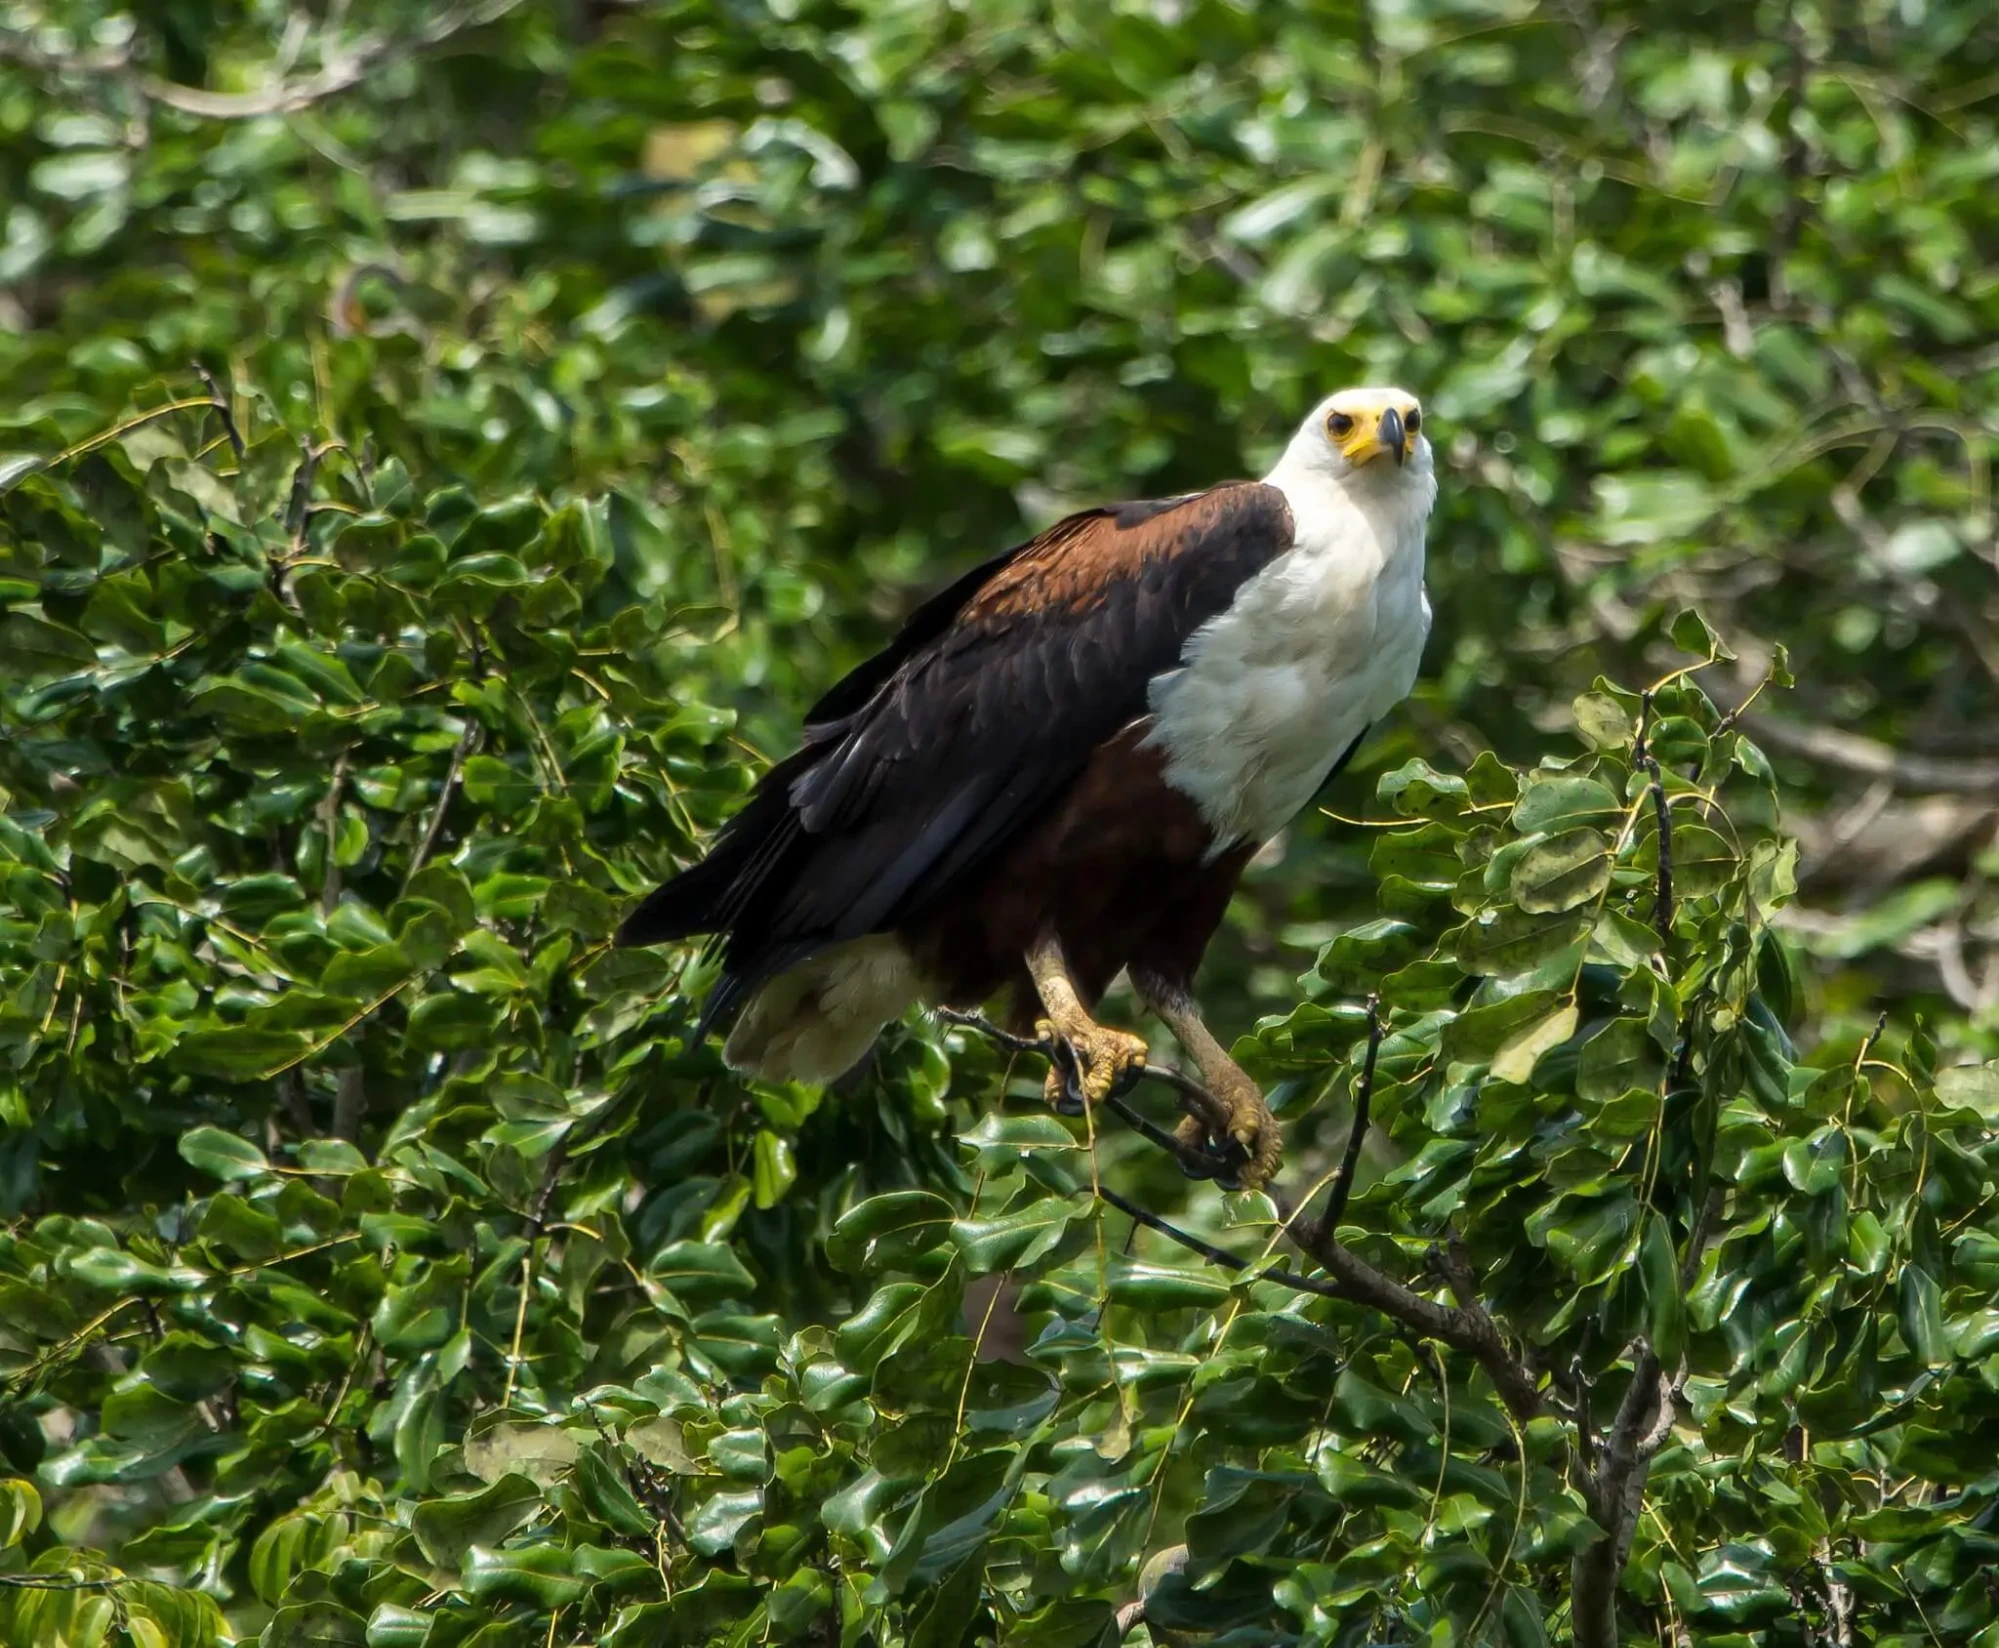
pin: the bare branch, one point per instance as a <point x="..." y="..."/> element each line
<point x="1466" y="1328"/>
<point x="1615" y="1493"/>
<point x="1870" y="758"/>
<point x="1193" y="1244"/>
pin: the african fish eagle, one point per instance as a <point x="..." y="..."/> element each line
<point x="1061" y="765"/>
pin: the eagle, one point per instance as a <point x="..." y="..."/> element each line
<point x="1059" y="768"/>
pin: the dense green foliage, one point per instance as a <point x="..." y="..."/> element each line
<point x="445" y="448"/>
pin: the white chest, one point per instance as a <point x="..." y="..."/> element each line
<point x="1314" y="650"/>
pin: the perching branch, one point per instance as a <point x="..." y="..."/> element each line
<point x="1195" y="1099"/>
<point x="1466" y="1327"/>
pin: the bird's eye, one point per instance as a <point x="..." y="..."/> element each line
<point x="1414" y="421"/>
<point x="1340" y="426"/>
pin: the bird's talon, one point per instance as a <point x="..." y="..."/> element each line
<point x="1089" y="1064"/>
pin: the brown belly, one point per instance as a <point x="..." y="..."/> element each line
<point x="1115" y="868"/>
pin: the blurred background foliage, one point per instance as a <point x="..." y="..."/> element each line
<point x="556" y="396"/>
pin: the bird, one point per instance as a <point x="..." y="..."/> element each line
<point x="1059" y="767"/>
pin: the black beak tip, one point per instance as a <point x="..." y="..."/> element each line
<point x="1391" y="435"/>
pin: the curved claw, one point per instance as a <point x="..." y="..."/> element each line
<point x="1250" y="1149"/>
<point x="1203" y="1157"/>
<point x="1089" y="1065"/>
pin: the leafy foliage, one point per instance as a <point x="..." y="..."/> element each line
<point x="444" y="445"/>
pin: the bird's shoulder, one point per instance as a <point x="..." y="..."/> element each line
<point x="1229" y="529"/>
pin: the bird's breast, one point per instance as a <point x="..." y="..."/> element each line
<point x="1272" y="692"/>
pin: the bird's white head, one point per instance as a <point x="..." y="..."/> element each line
<point x="1368" y="442"/>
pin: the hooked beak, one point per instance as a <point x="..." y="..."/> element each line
<point x="1391" y="437"/>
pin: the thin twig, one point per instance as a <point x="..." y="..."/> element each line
<point x="1662" y="905"/>
<point x="466" y="743"/>
<point x="1194" y="1244"/>
<point x="1336" y="1203"/>
<point x="329" y="820"/>
<point x="221" y="404"/>
<point x="520" y="1324"/>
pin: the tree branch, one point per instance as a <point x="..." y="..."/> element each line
<point x="1614" y="1491"/>
<point x="1466" y="1327"/>
<point x="1852" y="752"/>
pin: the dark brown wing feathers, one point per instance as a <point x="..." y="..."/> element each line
<point x="926" y="759"/>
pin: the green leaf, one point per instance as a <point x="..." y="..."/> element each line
<point x="1417" y="790"/>
<point x="20" y="1511"/>
<point x="889" y="1231"/>
<point x="885" y="1322"/>
<point x="720" y="1519"/>
<point x="1919" y="1308"/>
<point x="1620" y="1056"/>
<point x="1017" y="1238"/>
<point x="447" y="1528"/>
<point x="775" y="1170"/>
<point x="239" y="1053"/>
<point x="1560" y="801"/>
<point x="1659" y="1280"/>
<point x="1691" y="632"/>
<point x="222" y="1155"/>
<point x="390" y="1626"/>
<point x="1507" y="943"/>
<point x="700" y="1272"/>
<point x="31" y="647"/>
<point x="451" y="1022"/>
<point x="1973" y="1086"/>
<point x="1602" y="721"/>
<point x="1562" y="872"/>
<point x="1515" y="1058"/>
<point x="541" y="1577"/>
<point x="1166" y="1287"/>
<point x="1001" y="1141"/>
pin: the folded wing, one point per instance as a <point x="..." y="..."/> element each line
<point x="926" y="759"/>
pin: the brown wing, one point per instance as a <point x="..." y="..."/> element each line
<point x="929" y="756"/>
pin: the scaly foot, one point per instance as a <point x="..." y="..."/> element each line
<point x="1252" y="1130"/>
<point x="1104" y="1061"/>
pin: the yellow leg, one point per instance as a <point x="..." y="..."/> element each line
<point x="1103" y="1056"/>
<point x="1250" y="1123"/>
